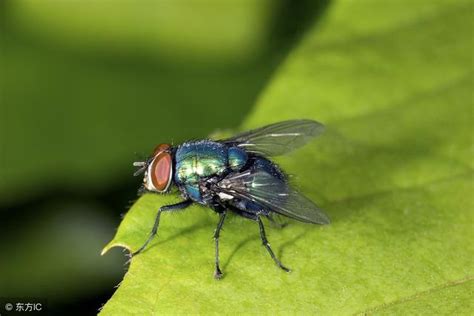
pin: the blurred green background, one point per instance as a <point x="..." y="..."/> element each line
<point x="85" y="87"/>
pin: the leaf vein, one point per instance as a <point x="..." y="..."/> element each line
<point x="418" y="295"/>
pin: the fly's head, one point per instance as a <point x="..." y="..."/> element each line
<point x="157" y="170"/>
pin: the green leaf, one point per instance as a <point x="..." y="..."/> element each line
<point x="392" y="81"/>
<point x="448" y="299"/>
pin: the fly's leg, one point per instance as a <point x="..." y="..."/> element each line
<point x="166" y="208"/>
<point x="267" y="245"/>
<point x="218" y="273"/>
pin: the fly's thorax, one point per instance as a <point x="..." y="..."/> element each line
<point x="198" y="160"/>
<point x="193" y="169"/>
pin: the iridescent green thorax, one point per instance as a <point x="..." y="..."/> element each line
<point x="195" y="167"/>
<point x="197" y="160"/>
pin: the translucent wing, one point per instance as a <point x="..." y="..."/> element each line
<point x="277" y="139"/>
<point x="273" y="194"/>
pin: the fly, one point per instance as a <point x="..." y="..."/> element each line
<point x="234" y="175"/>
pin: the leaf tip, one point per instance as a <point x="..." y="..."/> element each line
<point x="114" y="244"/>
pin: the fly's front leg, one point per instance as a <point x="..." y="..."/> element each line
<point x="267" y="245"/>
<point x="166" y="208"/>
<point x="218" y="273"/>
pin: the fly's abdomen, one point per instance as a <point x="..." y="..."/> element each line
<point x="237" y="158"/>
<point x="260" y="172"/>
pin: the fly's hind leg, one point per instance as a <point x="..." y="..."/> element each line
<point x="276" y="224"/>
<point x="267" y="245"/>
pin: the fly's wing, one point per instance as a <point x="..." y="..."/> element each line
<point x="277" y="139"/>
<point x="273" y="194"/>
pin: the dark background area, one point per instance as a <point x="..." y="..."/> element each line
<point x="86" y="86"/>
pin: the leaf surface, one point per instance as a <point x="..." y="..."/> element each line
<point x="392" y="81"/>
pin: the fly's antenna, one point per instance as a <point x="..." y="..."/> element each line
<point x="142" y="167"/>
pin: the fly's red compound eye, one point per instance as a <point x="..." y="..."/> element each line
<point x="160" y="171"/>
<point x="160" y="148"/>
